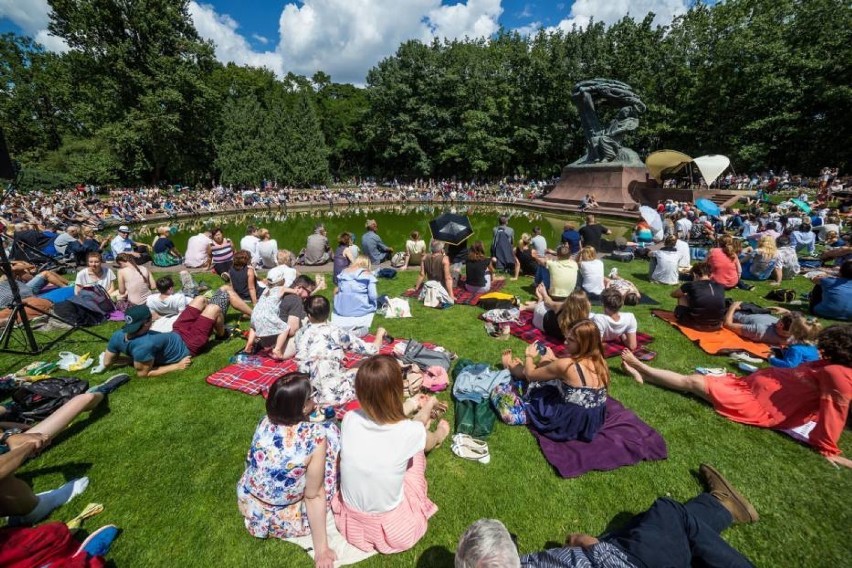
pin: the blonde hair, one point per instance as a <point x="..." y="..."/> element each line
<point x="587" y="253"/>
<point x="766" y="246"/>
<point x="804" y="329"/>
<point x="285" y="257"/>
<point x="526" y="238"/>
<point x="361" y="261"/>
<point x="163" y="230"/>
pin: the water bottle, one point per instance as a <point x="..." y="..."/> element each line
<point x="246" y="359"/>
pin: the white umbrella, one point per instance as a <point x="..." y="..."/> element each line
<point x="712" y="166"/>
<point x="653" y="219"/>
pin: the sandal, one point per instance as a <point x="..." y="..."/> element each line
<point x="468" y="453"/>
<point x="644" y="354"/>
<point x="438" y="410"/>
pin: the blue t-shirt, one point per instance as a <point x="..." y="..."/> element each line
<point x="161" y="348"/>
<point x="572" y="237"/>
<point x="835" y="302"/>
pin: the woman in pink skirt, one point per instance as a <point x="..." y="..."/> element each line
<point x="383" y="503"/>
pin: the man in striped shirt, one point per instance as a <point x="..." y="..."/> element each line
<point x="668" y="534"/>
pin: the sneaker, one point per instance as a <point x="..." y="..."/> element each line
<point x="743" y="356"/>
<point x="112" y="383"/>
<point x="741" y="510"/>
<point x="746" y="367"/>
<point x="100" y="541"/>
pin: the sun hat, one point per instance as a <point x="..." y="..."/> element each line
<point x="135" y="318"/>
<point x="124" y="229"/>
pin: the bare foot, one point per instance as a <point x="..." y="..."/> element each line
<point x="508" y="360"/>
<point x="380" y="335"/>
<point x="637" y="376"/>
<point x="277" y="355"/>
<point x="443" y="430"/>
<point x="629" y="364"/>
<point x="185" y="362"/>
<point x="540" y="292"/>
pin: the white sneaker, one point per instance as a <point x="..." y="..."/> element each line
<point x="743" y="356"/>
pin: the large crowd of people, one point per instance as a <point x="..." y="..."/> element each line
<point x="368" y="470"/>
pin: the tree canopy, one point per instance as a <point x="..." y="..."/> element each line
<point x="139" y="97"/>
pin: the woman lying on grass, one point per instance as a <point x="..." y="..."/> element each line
<point x="291" y="469"/>
<point x="566" y="399"/>
<point x="775" y="397"/>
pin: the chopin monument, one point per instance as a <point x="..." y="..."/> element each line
<point x="608" y="170"/>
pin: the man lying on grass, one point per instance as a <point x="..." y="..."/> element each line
<point x="154" y="354"/>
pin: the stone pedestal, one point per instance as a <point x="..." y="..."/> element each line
<point x="614" y="186"/>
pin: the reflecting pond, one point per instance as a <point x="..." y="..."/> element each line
<point x="396" y="222"/>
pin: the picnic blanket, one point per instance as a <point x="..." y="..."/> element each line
<point x="461" y="293"/>
<point x="256" y="379"/>
<point x="716" y="342"/>
<point x="526" y="331"/>
<point x="624" y="440"/>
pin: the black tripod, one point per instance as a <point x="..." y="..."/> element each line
<point x="18" y="319"/>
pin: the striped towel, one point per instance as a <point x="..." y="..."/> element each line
<point x="394" y="531"/>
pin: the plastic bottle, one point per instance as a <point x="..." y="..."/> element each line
<point x="246" y="359"/>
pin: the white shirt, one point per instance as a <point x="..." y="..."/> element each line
<point x="374" y="459"/>
<point x="168" y="306"/>
<point x="683" y="258"/>
<point x="85" y="279"/>
<point x="592" y="276"/>
<point x="196" y="250"/>
<point x="684" y="226"/>
<point x="282" y="272"/>
<point x="665" y="267"/>
<point x="540" y="245"/>
<point x="119" y="245"/>
<point x="611" y="329"/>
<point x="268" y="252"/>
<point x="249" y="243"/>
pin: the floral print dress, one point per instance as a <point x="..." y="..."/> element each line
<point x="320" y="350"/>
<point x="270" y="494"/>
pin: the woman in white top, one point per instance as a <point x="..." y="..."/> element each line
<point x="591" y="272"/>
<point x="267" y="249"/>
<point x="383" y="503"/>
<point x="415" y="248"/>
<point x="95" y="273"/>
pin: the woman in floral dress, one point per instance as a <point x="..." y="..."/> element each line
<point x="291" y="469"/>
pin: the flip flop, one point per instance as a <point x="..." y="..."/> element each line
<point x="90" y="510"/>
<point x="468" y="453"/>
<point x="462" y="439"/>
<point x="438" y="410"/>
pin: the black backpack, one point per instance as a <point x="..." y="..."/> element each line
<point x="37" y="400"/>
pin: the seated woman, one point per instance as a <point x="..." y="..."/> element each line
<point x="701" y="301"/>
<point x="356" y="298"/>
<point x="762" y="262"/>
<point x="383" y="503"/>
<point x="724" y="262"/>
<point x="830" y="297"/>
<point x="479" y="269"/>
<point x="436" y="268"/>
<point x="267" y="248"/>
<point x="665" y="263"/>
<point x="525" y="262"/>
<point x="321" y="348"/>
<point x="591" y="272"/>
<point x="163" y="249"/>
<point x="777" y="398"/>
<point x="291" y="469"/>
<point x="220" y="252"/>
<point x="552" y="317"/>
<point x="415" y="248"/>
<point x="96" y="274"/>
<point x="244" y="286"/>
<point x="342" y="254"/>
<point x="135" y="282"/>
<point x="566" y="397"/>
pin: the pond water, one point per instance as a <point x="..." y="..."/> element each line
<point x="396" y="222"/>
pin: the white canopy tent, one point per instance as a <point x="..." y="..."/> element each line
<point x="665" y="162"/>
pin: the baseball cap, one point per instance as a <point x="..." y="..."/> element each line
<point x="124" y="229"/>
<point x="135" y="318"/>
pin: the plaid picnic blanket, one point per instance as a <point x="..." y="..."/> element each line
<point x="462" y="295"/>
<point x="526" y="331"/>
<point x="255" y="380"/>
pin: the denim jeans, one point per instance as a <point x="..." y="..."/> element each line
<point x="679" y="534"/>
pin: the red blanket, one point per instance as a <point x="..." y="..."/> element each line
<point x="526" y="331"/>
<point x="462" y="295"/>
<point x="256" y="380"/>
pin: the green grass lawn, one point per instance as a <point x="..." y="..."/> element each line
<point x="165" y="457"/>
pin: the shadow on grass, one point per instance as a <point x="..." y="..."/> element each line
<point x="618" y="521"/>
<point x="436" y="557"/>
<point x="68" y="470"/>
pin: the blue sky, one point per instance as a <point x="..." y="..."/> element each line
<point x="345" y="38"/>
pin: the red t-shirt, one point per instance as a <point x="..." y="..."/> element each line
<point x="723" y="269"/>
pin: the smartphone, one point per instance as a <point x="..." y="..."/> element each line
<point x="542" y="348"/>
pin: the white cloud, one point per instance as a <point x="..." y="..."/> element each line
<point x="260" y="38"/>
<point x="583" y="11"/>
<point x="32" y="16"/>
<point x="530" y="29"/>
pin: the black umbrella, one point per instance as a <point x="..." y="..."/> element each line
<point x="451" y="228"/>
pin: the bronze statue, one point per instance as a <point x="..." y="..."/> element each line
<point x="603" y="144"/>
